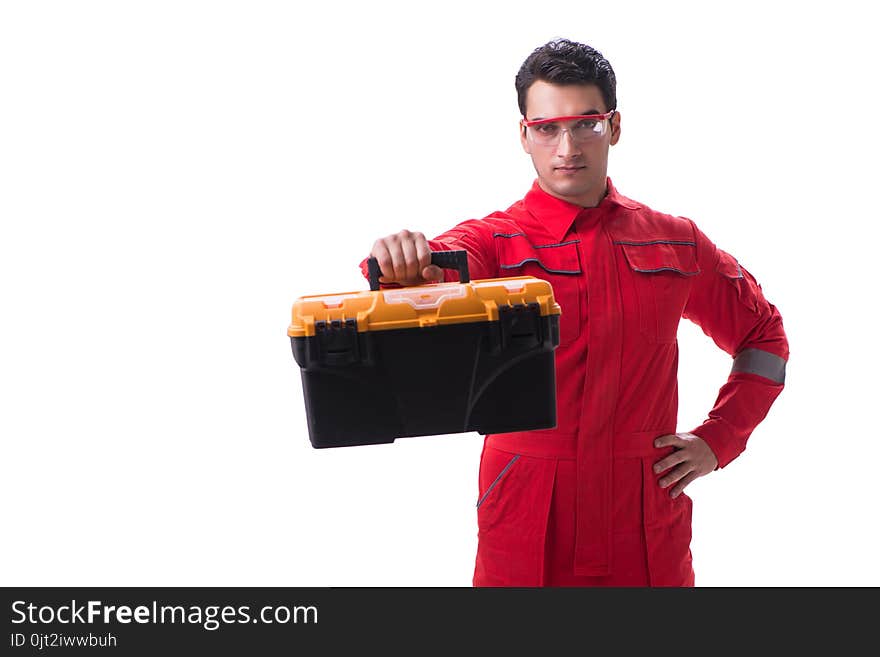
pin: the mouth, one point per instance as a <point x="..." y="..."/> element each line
<point x="569" y="169"/>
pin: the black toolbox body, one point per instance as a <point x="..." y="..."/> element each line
<point x="428" y="360"/>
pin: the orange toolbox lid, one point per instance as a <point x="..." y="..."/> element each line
<point x="422" y="306"/>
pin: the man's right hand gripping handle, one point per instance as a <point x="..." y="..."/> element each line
<point x="405" y="258"/>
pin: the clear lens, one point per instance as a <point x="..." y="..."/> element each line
<point x="548" y="134"/>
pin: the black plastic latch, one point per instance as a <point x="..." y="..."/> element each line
<point x="520" y="325"/>
<point x="337" y="342"/>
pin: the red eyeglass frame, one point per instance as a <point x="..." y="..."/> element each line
<point x="577" y="117"/>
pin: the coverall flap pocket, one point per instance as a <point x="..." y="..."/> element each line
<point x="740" y="279"/>
<point x="557" y="263"/>
<point x="516" y="251"/>
<point x="659" y="256"/>
<point x="662" y="272"/>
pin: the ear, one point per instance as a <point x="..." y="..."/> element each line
<point x="527" y="147"/>
<point x="615" y="128"/>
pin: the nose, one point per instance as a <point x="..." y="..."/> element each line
<point x="566" y="145"/>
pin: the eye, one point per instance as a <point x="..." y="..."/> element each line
<point x="586" y="125"/>
<point x="547" y="129"/>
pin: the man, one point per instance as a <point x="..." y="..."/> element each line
<point x="599" y="499"/>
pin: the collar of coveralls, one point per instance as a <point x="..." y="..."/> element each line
<point x="556" y="216"/>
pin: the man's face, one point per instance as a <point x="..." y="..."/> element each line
<point x="574" y="172"/>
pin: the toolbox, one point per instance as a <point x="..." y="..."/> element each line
<point x="382" y="364"/>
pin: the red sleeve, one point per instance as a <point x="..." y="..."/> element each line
<point x="473" y="236"/>
<point x="727" y="303"/>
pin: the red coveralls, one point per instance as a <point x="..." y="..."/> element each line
<point x="579" y="505"/>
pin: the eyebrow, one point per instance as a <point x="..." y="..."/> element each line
<point x="587" y="113"/>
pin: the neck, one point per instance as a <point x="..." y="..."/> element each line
<point x="588" y="200"/>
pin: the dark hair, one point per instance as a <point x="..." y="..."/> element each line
<point x="567" y="62"/>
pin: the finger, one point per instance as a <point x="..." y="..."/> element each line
<point x="675" y="475"/>
<point x="678" y="456"/>
<point x="410" y="257"/>
<point x="680" y="486"/>
<point x="423" y="250"/>
<point x="669" y="439"/>
<point x="398" y="261"/>
<point x="383" y="257"/>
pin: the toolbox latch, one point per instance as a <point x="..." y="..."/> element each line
<point x="520" y="325"/>
<point x="337" y="342"/>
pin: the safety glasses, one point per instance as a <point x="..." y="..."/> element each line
<point x="581" y="128"/>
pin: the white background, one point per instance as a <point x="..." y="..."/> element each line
<point x="174" y="174"/>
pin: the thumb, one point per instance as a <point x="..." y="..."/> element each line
<point x="432" y="273"/>
<point x="670" y="439"/>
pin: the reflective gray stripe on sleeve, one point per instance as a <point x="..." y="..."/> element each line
<point x="762" y="363"/>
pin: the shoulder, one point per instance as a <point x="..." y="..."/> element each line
<point x="501" y="223"/>
<point x="639" y="222"/>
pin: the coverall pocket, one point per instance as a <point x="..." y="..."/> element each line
<point x="512" y="513"/>
<point x="662" y="271"/>
<point x="556" y="263"/>
<point x="487" y="489"/>
<point x="740" y="279"/>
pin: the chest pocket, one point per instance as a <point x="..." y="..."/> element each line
<point x="556" y="263"/>
<point x="662" y="271"/>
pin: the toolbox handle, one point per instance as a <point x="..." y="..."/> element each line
<point x="444" y="259"/>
